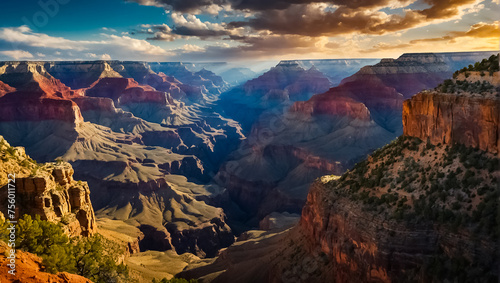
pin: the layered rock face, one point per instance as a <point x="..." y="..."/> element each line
<point x="192" y="87"/>
<point x="272" y="91"/>
<point x="468" y="112"/>
<point x="178" y="90"/>
<point x="80" y="74"/>
<point x="125" y="91"/>
<point x="12" y="109"/>
<point x="340" y="126"/>
<point x="338" y="69"/>
<point x="37" y="95"/>
<point x="287" y="81"/>
<point x="49" y="191"/>
<point x="448" y="119"/>
<point x="58" y="198"/>
<point x="32" y="77"/>
<point x="206" y="80"/>
<point x="390" y="219"/>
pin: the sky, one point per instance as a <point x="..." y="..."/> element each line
<point x="243" y="30"/>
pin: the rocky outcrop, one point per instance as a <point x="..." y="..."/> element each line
<point x="287" y="81"/>
<point x="38" y="95"/>
<point x="18" y="106"/>
<point x="332" y="104"/>
<point x="32" y="77"/>
<point x="353" y="232"/>
<point x="206" y="80"/>
<point x="80" y="74"/>
<point x="449" y="118"/>
<point x="58" y="198"/>
<point x="459" y="112"/>
<point x="274" y="91"/>
<point x="5" y="88"/>
<point x="49" y="191"/>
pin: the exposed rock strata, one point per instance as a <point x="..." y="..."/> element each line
<point x="447" y="118"/>
<point x="49" y="191"/>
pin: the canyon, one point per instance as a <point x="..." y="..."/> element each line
<point x="137" y="147"/>
<point x="188" y="163"/>
<point x="422" y="208"/>
<point x="289" y="147"/>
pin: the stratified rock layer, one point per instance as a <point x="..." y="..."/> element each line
<point x="49" y="191"/>
<point x="447" y="118"/>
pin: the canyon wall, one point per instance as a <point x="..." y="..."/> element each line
<point x="447" y="118"/>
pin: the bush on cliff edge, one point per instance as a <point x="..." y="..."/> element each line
<point x="93" y="257"/>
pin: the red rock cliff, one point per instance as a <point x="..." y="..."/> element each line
<point x="449" y="118"/>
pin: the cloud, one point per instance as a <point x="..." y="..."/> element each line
<point x="261" y="47"/>
<point x="24" y="35"/>
<point x="183" y="5"/>
<point x="187" y="48"/>
<point x="109" y="47"/>
<point x="322" y="20"/>
<point x="184" y="26"/>
<point x="17" y="54"/>
<point x="215" y="6"/>
<point x="477" y="31"/>
<point x="101" y="57"/>
<point x="109" y="29"/>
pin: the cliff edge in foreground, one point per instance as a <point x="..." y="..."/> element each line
<point x="47" y="190"/>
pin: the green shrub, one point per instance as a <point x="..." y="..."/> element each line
<point x="93" y="258"/>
